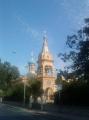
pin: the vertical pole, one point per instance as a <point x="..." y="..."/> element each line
<point x="42" y="102"/>
<point x="24" y="92"/>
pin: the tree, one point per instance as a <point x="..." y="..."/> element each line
<point x="79" y="53"/>
<point x="76" y="92"/>
<point x="34" y="87"/>
<point x="7" y="74"/>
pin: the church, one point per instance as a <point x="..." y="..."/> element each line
<point x="45" y="70"/>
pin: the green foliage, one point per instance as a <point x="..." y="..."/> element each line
<point x="15" y="93"/>
<point x="7" y="74"/>
<point x="1" y="93"/>
<point x="65" y="76"/>
<point x="34" y="87"/>
<point x="79" y="52"/>
<point x="76" y="92"/>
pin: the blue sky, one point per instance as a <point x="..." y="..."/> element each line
<point x="22" y="23"/>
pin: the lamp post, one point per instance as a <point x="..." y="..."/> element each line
<point x="24" y="90"/>
<point x="43" y="101"/>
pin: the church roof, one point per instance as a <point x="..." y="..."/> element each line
<point x="45" y="53"/>
<point x="32" y="59"/>
<point x="45" y="45"/>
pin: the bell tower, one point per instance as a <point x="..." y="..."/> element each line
<point x="45" y="71"/>
<point x="31" y="65"/>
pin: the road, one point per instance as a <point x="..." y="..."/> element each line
<point x="8" y="112"/>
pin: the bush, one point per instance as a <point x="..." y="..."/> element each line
<point x="75" y="93"/>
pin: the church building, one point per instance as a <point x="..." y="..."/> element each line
<point x="45" y="70"/>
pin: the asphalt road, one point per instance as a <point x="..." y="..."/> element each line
<point x="8" y="112"/>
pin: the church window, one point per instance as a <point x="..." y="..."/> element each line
<point x="48" y="70"/>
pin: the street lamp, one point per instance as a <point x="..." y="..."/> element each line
<point x="24" y="90"/>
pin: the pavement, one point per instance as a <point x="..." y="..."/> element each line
<point x="9" y="112"/>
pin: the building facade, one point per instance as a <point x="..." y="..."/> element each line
<point x="46" y="71"/>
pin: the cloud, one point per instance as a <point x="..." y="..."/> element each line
<point x="76" y="11"/>
<point x="33" y="32"/>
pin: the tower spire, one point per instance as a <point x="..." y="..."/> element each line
<point x="32" y="57"/>
<point x="45" y="44"/>
<point x="31" y="64"/>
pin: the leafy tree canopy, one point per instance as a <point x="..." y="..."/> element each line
<point x="8" y="73"/>
<point x="79" y="52"/>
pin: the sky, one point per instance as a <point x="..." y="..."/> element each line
<point x="23" y="22"/>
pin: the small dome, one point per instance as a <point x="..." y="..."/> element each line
<point x="32" y="59"/>
<point x="31" y="62"/>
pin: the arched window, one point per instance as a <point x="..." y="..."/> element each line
<point x="40" y="69"/>
<point x="48" y="70"/>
